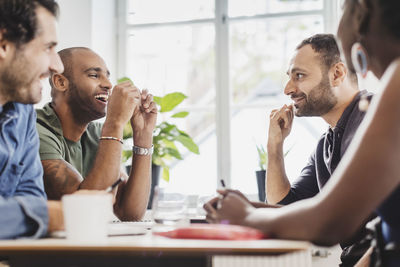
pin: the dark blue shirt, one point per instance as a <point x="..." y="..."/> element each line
<point x="23" y="204"/>
<point x="389" y="212"/>
<point x="330" y="149"/>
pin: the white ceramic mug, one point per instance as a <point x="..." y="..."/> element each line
<point x="86" y="216"/>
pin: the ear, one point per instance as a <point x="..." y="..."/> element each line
<point x="5" y="45"/>
<point x="60" y="82"/>
<point x="337" y="74"/>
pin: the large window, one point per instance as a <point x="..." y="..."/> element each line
<point x="230" y="58"/>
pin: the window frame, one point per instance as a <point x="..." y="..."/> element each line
<point x="223" y="105"/>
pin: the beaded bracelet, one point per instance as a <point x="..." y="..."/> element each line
<point x="111" y="138"/>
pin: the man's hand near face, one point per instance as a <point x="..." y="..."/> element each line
<point x="144" y="120"/>
<point x="280" y="125"/>
<point x="124" y="100"/>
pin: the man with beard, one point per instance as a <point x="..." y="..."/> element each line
<point x="28" y="38"/>
<point x="319" y="85"/>
<point x="78" y="153"/>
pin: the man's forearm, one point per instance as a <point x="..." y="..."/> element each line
<point x="277" y="183"/>
<point x="135" y="194"/>
<point x="106" y="167"/>
<point x="23" y="216"/>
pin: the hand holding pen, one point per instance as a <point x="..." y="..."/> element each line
<point x="114" y="185"/>
<point x="220" y="196"/>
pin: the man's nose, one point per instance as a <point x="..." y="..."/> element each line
<point x="105" y="83"/>
<point x="289" y="88"/>
<point x="56" y="64"/>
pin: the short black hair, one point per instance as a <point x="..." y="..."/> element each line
<point x="325" y="45"/>
<point x="66" y="55"/>
<point x="18" y="19"/>
<point x="327" y="48"/>
<point x="66" y="58"/>
<point x="388" y="14"/>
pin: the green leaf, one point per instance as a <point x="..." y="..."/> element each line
<point x="157" y="160"/>
<point x="167" y="128"/>
<point x="262" y="157"/>
<point x="169" y="144"/>
<point x="183" y="133"/>
<point x="170" y="101"/>
<point x="165" y="173"/>
<point x="157" y="99"/>
<point x="188" y="143"/>
<point x="181" y="114"/>
<point x="126" y="154"/>
<point x="173" y="152"/>
<point x="124" y="79"/>
<point x="127" y="133"/>
<point x="287" y="151"/>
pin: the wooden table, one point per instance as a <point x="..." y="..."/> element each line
<point x="144" y="250"/>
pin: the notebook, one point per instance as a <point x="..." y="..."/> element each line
<point x="115" y="229"/>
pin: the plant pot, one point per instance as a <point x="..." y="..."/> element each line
<point x="155" y="178"/>
<point x="260" y="175"/>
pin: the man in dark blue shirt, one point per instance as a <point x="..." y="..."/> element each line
<point x="319" y="85"/>
<point x="27" y="56"/>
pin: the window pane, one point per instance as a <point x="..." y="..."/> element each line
<point x="155" y="11"/>
<point x="301" y="143"/>
<point x="170" y="59"/>
<point x="256" y="7"/>
<point x="196" y="174"/>
<point x="181" y="58"/>
<point x="260" y="51"/>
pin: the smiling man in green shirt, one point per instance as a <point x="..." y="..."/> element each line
<point x="77" y="153"/>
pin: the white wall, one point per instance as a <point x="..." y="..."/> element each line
<point x="90" y="23"/>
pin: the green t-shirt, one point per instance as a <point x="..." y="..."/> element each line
<point x="53" y="145"/>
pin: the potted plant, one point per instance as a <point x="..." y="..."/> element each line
<point x="260" y="174"/>
<point x="165" y="138"/>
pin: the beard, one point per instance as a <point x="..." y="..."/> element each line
<point x="18" y="82"/>
<point x="82" y="107"/>
<point x="319" y="101"/>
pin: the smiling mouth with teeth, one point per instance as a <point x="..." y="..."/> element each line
<point x="102" y="97"/>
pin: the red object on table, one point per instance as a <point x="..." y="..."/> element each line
<point x="214" y="231"/>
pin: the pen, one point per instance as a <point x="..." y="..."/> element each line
<point x="114" y="185"/>
<point x="218" y="204"/>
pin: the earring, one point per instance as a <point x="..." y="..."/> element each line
<point x="363" y="104"/>
<point x="357" y="54"/>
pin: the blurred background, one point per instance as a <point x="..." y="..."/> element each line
<point x="229" y="57"/>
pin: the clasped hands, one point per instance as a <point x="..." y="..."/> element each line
<point x="127" y="102"/>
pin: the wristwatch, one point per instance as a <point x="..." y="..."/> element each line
<point x="137" y="150"/>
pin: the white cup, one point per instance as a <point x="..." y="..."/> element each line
<point x="86" y="216"/>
